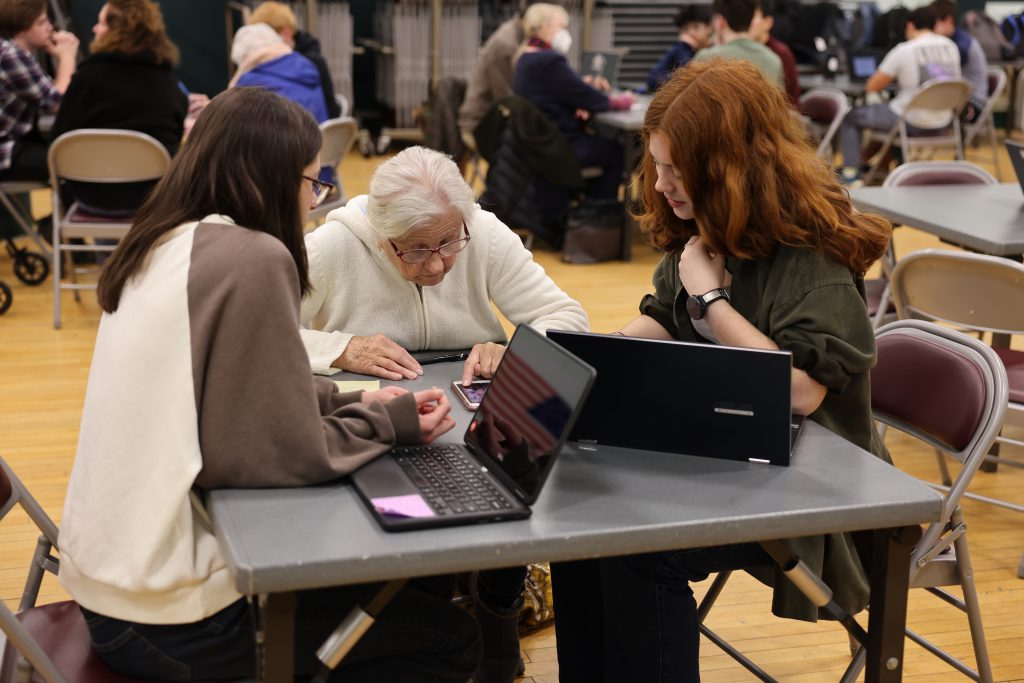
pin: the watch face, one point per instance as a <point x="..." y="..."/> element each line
<point x="693" y="308"/>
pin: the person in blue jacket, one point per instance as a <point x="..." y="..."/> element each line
<point x="694" y="25"/>
<point x="265" y="60"/>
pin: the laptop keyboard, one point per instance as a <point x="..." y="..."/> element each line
<point x="448" y="480"/>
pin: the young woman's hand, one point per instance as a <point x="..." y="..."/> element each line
<point x="383" y="395"/>
<point x="700" y="271"/>
<point x="64" y="45"/>
<point x="433" y="408"/>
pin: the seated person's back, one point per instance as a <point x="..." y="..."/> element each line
<point x="128" y="82"/>
<point x="732" y="21"/>
<point x="265" y="61"/>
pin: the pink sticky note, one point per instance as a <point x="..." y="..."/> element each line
<point x="403" y="506"/>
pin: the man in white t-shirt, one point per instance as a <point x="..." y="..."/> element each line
<point x="924" y="56"/>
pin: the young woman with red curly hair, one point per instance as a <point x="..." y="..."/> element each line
<point x="763" y="250"/>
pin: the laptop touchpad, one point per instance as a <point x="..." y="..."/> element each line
<point x="383" y="477"/>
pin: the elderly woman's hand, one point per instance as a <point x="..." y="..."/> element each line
<point x="482" y="362"/>
<point x="380" y="357"/>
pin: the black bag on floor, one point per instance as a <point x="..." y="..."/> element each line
<point x="593" y="232"/>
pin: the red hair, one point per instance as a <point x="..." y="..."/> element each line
<point x="754" y="181"/>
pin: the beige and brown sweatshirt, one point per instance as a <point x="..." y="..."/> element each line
<point x="199" y="380"/>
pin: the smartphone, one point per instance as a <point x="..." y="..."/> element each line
<point x="472" y="395"/>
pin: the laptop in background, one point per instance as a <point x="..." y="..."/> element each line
<point x="512" y="442"/>
<point x="862" y="64"/>
<point x="605" y="63"/>
<point x="1016" y="152"/>
<point x="692" y="399"/>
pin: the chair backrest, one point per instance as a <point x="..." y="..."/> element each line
<point x="825" y="107"/>
<point x="338" y="137"/>
<point x="107" y="156"/>
<point x="944" y="388"/>
<point x="941" y="95"/>
<point x="938" y="173"/>
<point x="973" y="291"/>
<point x="996" y="86"/>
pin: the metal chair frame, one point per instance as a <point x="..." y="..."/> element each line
<point x="338" y="137"/>
<point x="820" y="130"/>
<point x="985" y="122"/>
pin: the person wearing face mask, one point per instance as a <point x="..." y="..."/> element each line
<point x="544" y="77"/>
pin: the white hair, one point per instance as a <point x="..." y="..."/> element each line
<point x="539" y="14"/>
<point x="251" y="38"/>
<point x="416" y="187"/>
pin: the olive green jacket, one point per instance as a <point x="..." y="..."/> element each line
<point x="814" y="308"/>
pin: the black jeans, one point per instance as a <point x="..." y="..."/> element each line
<point x="417" y="637"/>
<point x="634" y="618"/>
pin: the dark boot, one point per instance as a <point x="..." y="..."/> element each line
<point x="499" y="632"/>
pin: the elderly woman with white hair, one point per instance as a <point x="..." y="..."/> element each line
<point x="417" y="265"/>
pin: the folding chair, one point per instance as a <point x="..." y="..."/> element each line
<point x="51" y="641"/>
<point x="824" y="110"/>
<point x="94" y="155"/>
<point x="915" y="173"/>
<point x="975" y="292"/>
<point x="946" y="97"/>
<point x="949" y="391"/>
<point x="338" y="137"/>
<point x="985" y="121"/>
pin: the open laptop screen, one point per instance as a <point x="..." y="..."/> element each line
<point x="528" y="410"/>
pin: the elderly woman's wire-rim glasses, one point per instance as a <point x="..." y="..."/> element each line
<point x="320" y="190"/>
<point x="417" y="256"/>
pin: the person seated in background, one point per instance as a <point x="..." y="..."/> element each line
<point x="25" y="89"/>
<point x="544" y="77"/>
<point x="266" y="61"/>
<point x="925" y="55"/>
<point x="973" y="63"/>
<point x="693" y="23"/>
<point x="761" y="30"/>
<point x="418" y="265"/>
<point x="763" y="250"/>
<point x="734" y="23"/>
<point x="281" y="18"/>
<point x="215" y="263"/>
<point x="127" y="82"/>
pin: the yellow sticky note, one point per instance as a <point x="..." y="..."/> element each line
<point x="358" y="385"/>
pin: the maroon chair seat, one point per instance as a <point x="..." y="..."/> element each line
<point x="60" y="630"/>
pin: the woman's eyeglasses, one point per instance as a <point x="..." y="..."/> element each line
<point x="320" y="190"/>
<point x="417" y="256"/>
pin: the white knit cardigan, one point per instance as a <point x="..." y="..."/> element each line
<point x="357" y="291"/>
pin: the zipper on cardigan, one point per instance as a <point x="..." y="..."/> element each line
<point x="423" y="319"/>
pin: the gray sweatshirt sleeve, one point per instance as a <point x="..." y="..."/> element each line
<point x="264" y="420"/>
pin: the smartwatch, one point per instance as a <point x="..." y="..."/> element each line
<point x="697" y="306"/>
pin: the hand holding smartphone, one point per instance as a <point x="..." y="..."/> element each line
<point x="472" y="395"/>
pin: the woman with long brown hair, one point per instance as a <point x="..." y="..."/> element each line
<point x="127" y="82"/>
<point x="207" y="282"/>
<point x="763" y="250"/>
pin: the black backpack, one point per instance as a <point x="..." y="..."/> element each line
<point x="1013" y="31"/>
<point x="890" y="29"/>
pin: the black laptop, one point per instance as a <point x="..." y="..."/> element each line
<point x="604" y="63"/>
<point x="508" y="450"/>
<point x="862" y="64"/>
<point x="693" y="399"/>
<point x="1016" y="151"/>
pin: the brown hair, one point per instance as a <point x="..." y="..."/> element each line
<point x="244" y="159"/>
<point x="136" y="28"/>
<point x="277" y="15"/>
<point x="19" y="15"/>
<point x="753" y="179"/>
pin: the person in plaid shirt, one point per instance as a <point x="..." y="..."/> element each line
<point x="25" y="89"/>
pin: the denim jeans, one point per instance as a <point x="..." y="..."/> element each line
<point x="870" y="117"/>
<point x="634" y="618"/>
<point x="417" y="637"/>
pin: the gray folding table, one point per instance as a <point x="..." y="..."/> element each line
<point x="984" y="218"/>
<point x="597" y="503"/>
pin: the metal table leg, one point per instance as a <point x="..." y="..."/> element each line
<point x="890" y="581"/>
